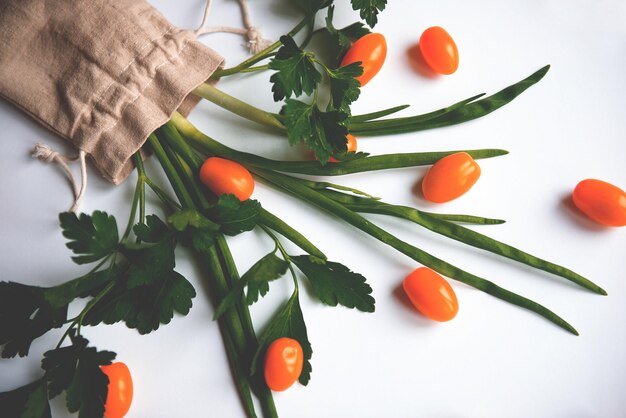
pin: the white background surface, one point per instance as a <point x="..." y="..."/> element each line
<point x="493" y="360"/>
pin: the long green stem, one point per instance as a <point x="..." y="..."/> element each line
<point x="463" y="113"/>
<point x="238" y="107"/>
<point x="378" y="162"/>
<point x="234" y="334"/>
<point x="473" y="238"/>
<point x="267" y="401"/>
<point x="305" y="193"/>
<point x="223" y="271"/>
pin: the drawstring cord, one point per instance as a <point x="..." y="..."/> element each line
<point x="256" y="42"/>
<point x="46" y="154"/>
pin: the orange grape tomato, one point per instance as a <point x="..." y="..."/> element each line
<point x="431" y="294"/>
<point x="371" y="51"/>
<point x="227" y="177"/>
<point x="351" y="143"/>
<point x="450" y="177"/>
<point x="601" y="201"/>
<point x="283" y="363"/>
<point x="439" y="50"/>
<point x="120" y="394"/>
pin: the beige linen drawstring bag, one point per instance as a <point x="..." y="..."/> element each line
<point x="103" y="74"/>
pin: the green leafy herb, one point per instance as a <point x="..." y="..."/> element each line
<point x="154" y="230"/>
<point x="288" y="322"/>
<point x="25" y="316"/>
<point x="334" y="283"/>
<point x="344" y="87"/>
<point x="296" y="72"/>
<point x="75" y="369"/>
<point x="144" y="307"/>
<point x="369" y="9"/>
<point x="87" y="285"/>
<point x="323" y="132"/>
<point x="257" y="279"/>
<point x="267" y="269"/>
<point x="150" y="262"/>
<point x="343" y="38"/>
<point x="235" y="216"/>
<point x="310" y="7"/>
<point x="29" y="401"/>
<point x="198" y="229"/>
<point x="92" y="237"/>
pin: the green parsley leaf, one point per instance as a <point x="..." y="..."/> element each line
<point x="93" y="237"/>
<point x="154" y="230"/>
<point x="154" y="259"/>
<point x="198" y="230"/>
<point x="24" y="317"/>
<point x="76" y="369"/>
<point x="149" y="262"/>
<point x="288" y="322"/>
<point x="235" y="216"/>
<point x="186" y="218"/>
<point x="145" y="307"/>
<point x="296" y="72"/>
<point x="267" y="269"/>
<point x="323" y="132"/>
<point x="369" y="9"/>
<point x="344" y="87"/>
<point x="29" y="401"/>
<point x="257" y="278"/>
<point x="87" y="285"/>
<point x="310" y="7"/>
<point x="343" y="38"/>
<point x="333" y="283"/>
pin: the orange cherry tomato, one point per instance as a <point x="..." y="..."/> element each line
<point x="450" y="177"/>
<point x="283" y="363"/>
<point x="431" y="294"/>
<point x="351" y="145"/>
<point x="371" y="51"/>
<point x="120" y="393"/>
<point x="227" y="177"/>
<point x="601" y="201"/>
<point x="439" y="50"/>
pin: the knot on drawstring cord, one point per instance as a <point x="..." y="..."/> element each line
<point x="46" y="154"/>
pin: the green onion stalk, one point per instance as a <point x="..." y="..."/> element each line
<point x="194" y="145"/>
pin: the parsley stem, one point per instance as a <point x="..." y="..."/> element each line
<point x="271" y="221"/>
<point x="283" y="253"/>
<point x="260" y="56"/>
<point x="137" y="196"/>
<point x="293" y="187"/>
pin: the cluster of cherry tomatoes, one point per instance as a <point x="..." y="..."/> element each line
<point x="448" y="179"/>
